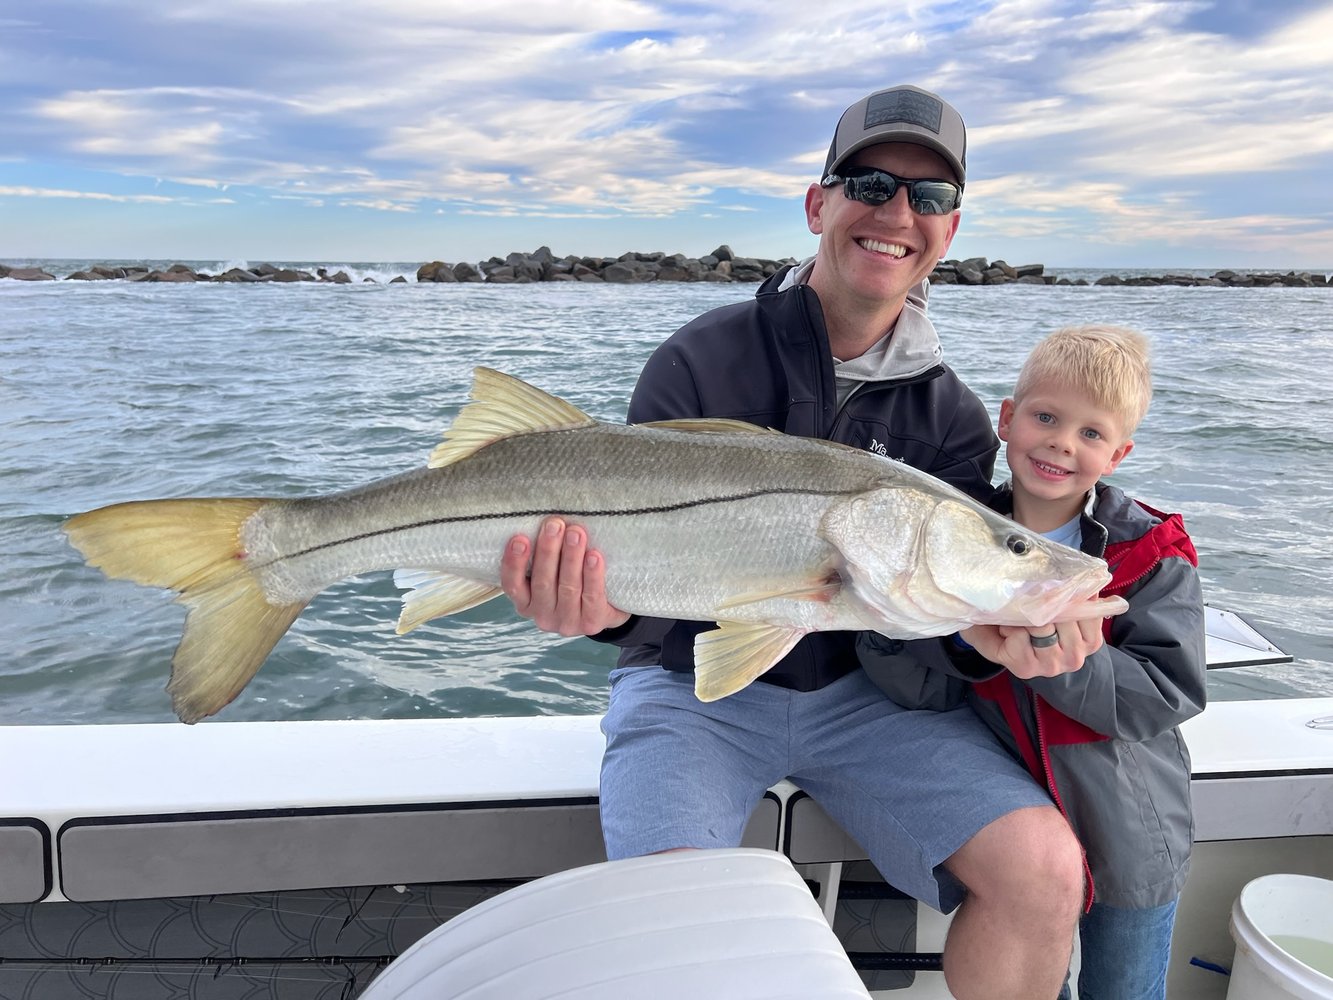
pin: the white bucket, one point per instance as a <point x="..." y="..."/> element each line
<point x="1283" y="928"/>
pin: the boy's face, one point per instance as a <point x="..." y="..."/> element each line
<point x="1059" y="443"/>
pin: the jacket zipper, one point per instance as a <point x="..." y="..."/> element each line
<point x="1035" y="704"/>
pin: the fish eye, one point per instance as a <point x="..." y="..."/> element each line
<point x="1018" y="545"/>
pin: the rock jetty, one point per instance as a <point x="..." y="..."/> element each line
<point x="722" y="265"/>
<point x="628" y="269"/>
<point x="980" y="271"/>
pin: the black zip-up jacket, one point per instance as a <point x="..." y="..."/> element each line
<point x="768" y="362"/>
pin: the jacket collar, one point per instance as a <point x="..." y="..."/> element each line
<point x="911" y="348"/>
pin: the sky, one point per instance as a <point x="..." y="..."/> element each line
<point x="1177" y="133"/>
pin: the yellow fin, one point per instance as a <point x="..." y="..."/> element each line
<point x="708" y="424"/>
<point x="502" y="407"/>
<point x="820" y="590"/>
<point x="192" y="547"/>
<point x="434" y="595"/>
<point x="229" y="632"/>
<point x="735" y="653"/>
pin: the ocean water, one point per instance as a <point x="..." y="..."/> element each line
<point x="114" y="391"/>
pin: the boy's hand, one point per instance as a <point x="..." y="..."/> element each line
<point x="565" y="589"/>
<point x="1011" y="646"/>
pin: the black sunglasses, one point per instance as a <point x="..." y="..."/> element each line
<point x="872" y="186"/>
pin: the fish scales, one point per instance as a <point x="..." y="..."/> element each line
<point x="686" y="520"/>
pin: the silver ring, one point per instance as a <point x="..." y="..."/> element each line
<point x="1042" y="641"/>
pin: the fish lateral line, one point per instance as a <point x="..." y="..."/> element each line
<point x="553" y="512"/>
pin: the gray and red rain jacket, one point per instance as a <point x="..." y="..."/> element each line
<point x="1104" y="740"/>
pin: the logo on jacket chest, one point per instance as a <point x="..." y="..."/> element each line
<point x="880" y="448"/>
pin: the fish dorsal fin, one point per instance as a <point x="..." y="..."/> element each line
<point x="502" y="406"/>
<point x="432" y="594"/>
<point x="709" y="424"/>
<point x="729" y="657"/>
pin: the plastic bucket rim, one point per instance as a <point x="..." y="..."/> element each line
<point x="1271" y="960"/>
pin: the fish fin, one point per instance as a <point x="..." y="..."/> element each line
<point x="432" y="594"/>
<point x="502" y="407"/>
<point x="822" y="590"/>
<point x="708" y="424"/>
<point x="729" y="657"/>
<point x="193" y="547"/>
<point x="1104" y="606"/>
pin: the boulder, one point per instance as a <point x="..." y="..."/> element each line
<point x="970" y="272"/>
<point x="626" y="272"/>
<point x="238" y="275"/>
<point x="428" y="272"/>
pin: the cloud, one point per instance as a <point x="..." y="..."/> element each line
<point x="643" y="109"/>
<point x="1111" y="214"/>
<point x="1158" y="102"/>
<point x="21" y="191"/>
<point x="379" y="205"/>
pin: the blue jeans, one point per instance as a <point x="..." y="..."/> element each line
<point x="1124" y="953"/>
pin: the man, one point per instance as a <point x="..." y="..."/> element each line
<point x="838" y="347"/>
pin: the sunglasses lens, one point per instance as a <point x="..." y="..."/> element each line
<point x="933" y="197"/>
<point x="875" y="187"/>
<point x="872" y="188"/>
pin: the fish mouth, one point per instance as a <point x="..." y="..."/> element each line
<point x="1045" y="602"/>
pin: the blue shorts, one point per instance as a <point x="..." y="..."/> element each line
<point x="911" y="787"/>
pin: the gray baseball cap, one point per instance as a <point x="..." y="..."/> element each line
<point x="901" y="114"/>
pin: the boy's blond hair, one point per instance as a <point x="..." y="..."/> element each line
<point x="1110" y="364"/>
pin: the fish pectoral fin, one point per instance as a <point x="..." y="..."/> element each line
<point x="1107" y="607"/>
<point x="502" y="407"/>
<point x="703" y="425"/>
<point x="823" y="590"/>
<point x="729" y="657"/>
<point x="431" y="594"/>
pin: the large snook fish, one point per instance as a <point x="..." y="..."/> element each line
<point x="769" y="535"/>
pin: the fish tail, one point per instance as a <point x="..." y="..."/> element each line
<point x="194" y="548"/>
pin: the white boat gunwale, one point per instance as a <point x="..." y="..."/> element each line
<point x="516" y="798"/>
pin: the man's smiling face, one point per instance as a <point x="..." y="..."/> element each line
<point x="878" y="253"/>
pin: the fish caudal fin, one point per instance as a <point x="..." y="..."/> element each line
<point x="192" y="547"/>
<point x="729" y="657"/>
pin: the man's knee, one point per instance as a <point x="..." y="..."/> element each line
<point x="1028" y="854"/>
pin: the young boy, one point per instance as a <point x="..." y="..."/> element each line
<point x="1104" y="739"/>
